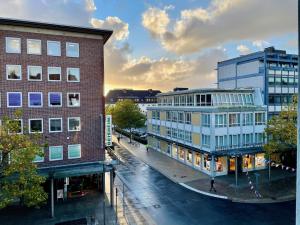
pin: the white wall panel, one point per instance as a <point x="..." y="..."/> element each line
<point x="248" y="68"/>
<point x="256" y="82"/>
<point x="226" y="71"/>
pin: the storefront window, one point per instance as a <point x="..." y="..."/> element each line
<point x="189" y="157"/>
<point x="220" y="164"/>
<point x="232" y="164"/>
<point x="174" y="151"/>
<point x="181" y="154"/>
<point x="248" y="162"/>
<point x="206" y="162"/>
<point x="198" y="159"/>
<point x="260" y="160"/>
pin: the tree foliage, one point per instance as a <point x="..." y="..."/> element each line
<point x="126" y="115"/>
<point x="19" y="179"/>
<point x="281" y="130"/>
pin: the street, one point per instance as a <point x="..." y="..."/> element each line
<point x="164" y="202"/>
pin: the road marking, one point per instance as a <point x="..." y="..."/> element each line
<point x="203" y="192"/>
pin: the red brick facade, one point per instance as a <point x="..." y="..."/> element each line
<point x="90" y="87"/>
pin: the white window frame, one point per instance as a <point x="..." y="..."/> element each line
<point x="29" y="125"/>
<point x="30" y="106"/>
<point x="57" y="67"/>
<point x="28" y="78"/>
<point x="6" y="41"/>
<point x="42" y="160"/>
<point x="55" y="106"/>
<point x="69" y="124"/>
<point x="7" y="100"/>
<point x="53" y="42"/>
<point x="20" y="68"/>
<point x="37" y="40"/>
<point x="61" y="125"/>
<point x="21" y="126"/>
<point x="61" y="154"/>
<point x="69" y="151"/>
<point x="67" y="43"/>
<point x="68" y="99"/>
<point x="68" y="74"/>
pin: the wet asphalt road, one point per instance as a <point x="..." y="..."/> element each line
<point x="164" y="202"/>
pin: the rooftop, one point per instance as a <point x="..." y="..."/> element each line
<point x="60" y="27"/>
<point x="207" y="90"/>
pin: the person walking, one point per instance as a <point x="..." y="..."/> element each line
<point x="212" y="182"/>
<point x="118" y="139"/>
<point x="147" y="147"/>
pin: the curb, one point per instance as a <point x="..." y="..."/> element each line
<point x="203" y="192"/>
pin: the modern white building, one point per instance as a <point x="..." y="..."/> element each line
<point x="210" y="128"/>
<point x="273" y="71"/>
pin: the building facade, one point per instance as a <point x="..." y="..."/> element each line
<point x="210" y="128"/>
<point x="54" y="74"/>
<point x="273" y="71"/>
<point x="143" y="98"/>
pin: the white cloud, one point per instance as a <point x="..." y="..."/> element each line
<point x="224" y="21"/>
<point x="155" y="20"/>
<point x="120" y="28"/>
<point x="243" y="49"/>
<point x="52" y="11"/>
<point x="261" y="44"/>
<point x="121" y="69"/>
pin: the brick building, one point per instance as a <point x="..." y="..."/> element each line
<point x="55" y="75"/>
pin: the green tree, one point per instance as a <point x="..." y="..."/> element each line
<point x="281" y="130"/>
<point x="19" y="179"/>
<point x="127" y="115"/>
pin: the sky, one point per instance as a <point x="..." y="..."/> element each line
<point x="162" y="44"/>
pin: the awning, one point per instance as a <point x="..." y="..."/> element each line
<point x="74" y="170"/>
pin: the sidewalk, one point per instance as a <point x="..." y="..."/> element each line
<point x="281" y="188"/>
<point x="88" y="210"/>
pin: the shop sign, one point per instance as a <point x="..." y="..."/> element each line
<point x="108" y="130"/>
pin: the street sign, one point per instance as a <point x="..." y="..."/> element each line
<point x="108" y="130"/>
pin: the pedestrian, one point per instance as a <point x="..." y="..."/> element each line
<point x="118" y="139"/>
<point x="212" y="182"/>
<point x="147" y="147"/>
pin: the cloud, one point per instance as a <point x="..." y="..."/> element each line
<point x="68" y="12"/>
<point x="163" y="73"/>
<point x="223" y="21"/>
<point x="121" y="68"/>
<point x="156" y="21"/>
<point x="120" y="28"/>
<point x="243" y="49"/>
<point x="261" y="44"/>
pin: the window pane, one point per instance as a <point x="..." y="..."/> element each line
<point x="36" y="126"/>
<point x="54" y="73"/>
<point x="72" y="49"/>
<point x="56" y="153"/>
<point x="74" y="124"/>
<point x="73" y="74"/>
<point x="13" y="45"/>
<point x="53" y="48"/>
<point x="13" y="72"/>
<point x="34" y="73"/>
<point x="34" y="47"/>
<point x="74" y="151"/>
<point x="74" y="100"/>
<point x="55" y="125"/>
<point x="35" y="99"/>
<point x="14" y="99"/>
<point x="54" y="99"/>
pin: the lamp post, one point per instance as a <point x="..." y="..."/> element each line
<point x="298" y="133"/>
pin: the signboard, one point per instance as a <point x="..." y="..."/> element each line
<point x="108" y="130"/>
<point x="60" y="194"/>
